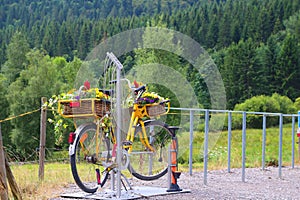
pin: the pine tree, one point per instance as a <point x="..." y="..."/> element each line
<point x="288" y="64"/>
<point x="84" y="40"/>
<point x="50" y="38"/>
<point x="16" y="57"/>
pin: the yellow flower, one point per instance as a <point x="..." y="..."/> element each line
<point x="71" y="91"/>
<point x="99" y="94"/>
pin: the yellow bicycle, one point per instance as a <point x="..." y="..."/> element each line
<point x="144" y="146"/>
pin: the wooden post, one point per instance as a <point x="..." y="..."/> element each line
<point x="3" y="183"/>
<point x="42" y="138"/>
<point x="12" y="182"/>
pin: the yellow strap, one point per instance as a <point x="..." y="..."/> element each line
<point x="21" y="115"/>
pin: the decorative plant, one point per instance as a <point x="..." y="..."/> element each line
<point x="60" y="123"/>
<point x="148" y="97"/>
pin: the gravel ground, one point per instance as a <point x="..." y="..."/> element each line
<point x="259" y="184"/>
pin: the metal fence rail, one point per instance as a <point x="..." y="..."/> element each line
<point x="244" y="114"/>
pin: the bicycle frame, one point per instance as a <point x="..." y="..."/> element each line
<point x="138" y="113"/>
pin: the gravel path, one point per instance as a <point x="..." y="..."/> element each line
<point x="259" y="184"/>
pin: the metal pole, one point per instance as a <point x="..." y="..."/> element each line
<point x="119" y="125"/>
<point x="298" y="119"/>
<point x="169" y="166"/>
<point x="298" y="131"/>
<point x="244" y="147"/>
<point x="293" y="141"/>
<point x="113" y="180"/>
<point x="264" y="142"/>
<point x="42" y="138"/>
<point x="206" y="145"/>
<point x="191" y="141"/>
<point x="229" y="141"/>
<point x="3" y="182"/>
<point x="280" y="145"/>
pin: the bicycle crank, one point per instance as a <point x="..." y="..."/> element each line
<point x="124" y="160"/>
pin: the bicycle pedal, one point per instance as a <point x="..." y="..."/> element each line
<point x="127" y="143"/>
<point x="110" y="166"/>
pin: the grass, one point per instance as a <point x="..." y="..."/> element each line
<point x="58" y="175"/>
<point x="218" y="151"/>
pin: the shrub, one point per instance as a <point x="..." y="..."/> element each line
<point x="297" y="103"/>
<point x="262" y="103"/>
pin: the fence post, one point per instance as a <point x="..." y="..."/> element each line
<point x="280" y="145"/>
<point x="3" y="183"/>
<point x="42" y="138"/>
<point x="264" y="142"/>
<point x="12" y="182"/>
<point x="206" y="145"/>
<point x="244" y="147"/>
<point x="191" y="141"/>
<point x="229" y="141"/>
<point x="293" y="141"/>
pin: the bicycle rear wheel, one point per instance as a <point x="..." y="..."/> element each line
<point x="147" y="164"/>
<point x="86" y="161"/>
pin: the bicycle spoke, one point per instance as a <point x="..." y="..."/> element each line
<point x="149" y="163"/>
<point x="87" y="162"/>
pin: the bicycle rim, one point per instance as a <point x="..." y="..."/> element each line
<point x="86" y="164"/>
<point x="150" y="164"/>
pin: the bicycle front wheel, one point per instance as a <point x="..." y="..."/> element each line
<point x="91" y="152"/>
<point x="150" y="163"/>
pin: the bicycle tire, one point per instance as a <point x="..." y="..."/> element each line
<point x="83" y="167"/>
<point x="158" y="163"/>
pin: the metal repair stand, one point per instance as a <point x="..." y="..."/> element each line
<point x="119" y="67"/>
<point x="173" y="173"/>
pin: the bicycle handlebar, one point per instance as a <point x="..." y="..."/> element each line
<point x="165" y="101"/>
<point x="123" y="79"/>
<point x="137" y="91"/>
<point x="141" y="88"/>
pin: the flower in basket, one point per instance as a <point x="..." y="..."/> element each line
<point x="101" y="95"/>
<point x="90" y="93"/>
<point x="149" y="98"/>
<point x="87" y="84"/>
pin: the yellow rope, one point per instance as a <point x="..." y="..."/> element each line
<point x="21" y="115"/>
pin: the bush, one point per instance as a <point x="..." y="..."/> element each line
<point x="286" y="105"/>
<point x="262" y="103"/>
<point x="297" y="103"/>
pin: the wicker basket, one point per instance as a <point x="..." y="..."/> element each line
<point x="85" y="108"/>
<point x="155" y="110"/>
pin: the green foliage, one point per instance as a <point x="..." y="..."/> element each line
<point x="41" y="77"/>
<point x="16" y="57"/>
<point x="60" y="125"/>
<point x="262" y="103"/>
<point x="254" y="44"/>
<point x="292" y="24"/>
<point x="4" y="105"/>
<point x="297" y="103"/>
<point x="286" y="104"/>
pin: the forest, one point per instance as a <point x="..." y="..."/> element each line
<point x="254" y="44"/>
